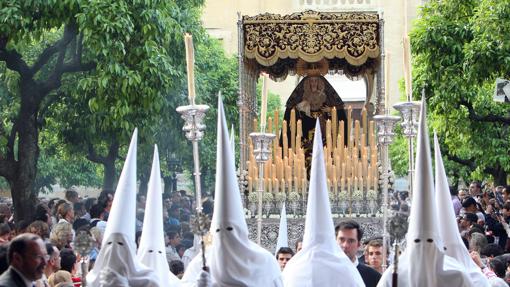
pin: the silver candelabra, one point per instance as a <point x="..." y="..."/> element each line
<point x="193" y="116"/>
<point x="385" y="134"/>
<point x="261" y="150"/>
<point x="410" y="112"/>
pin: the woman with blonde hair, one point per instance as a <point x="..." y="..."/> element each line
<point x="65" y="213"/>
<point x="62" y="235"/>
<point x="58" y="277"/>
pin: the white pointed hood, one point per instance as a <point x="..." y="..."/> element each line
<point x="321" y="262"/>
<point x="448" y="228"/>
<point x="423" y="263"/>
<point x="117" y="256"/>
<point x="283" y="238"/>
<point x="151" y="251"/>
<point x="236" y="261"/>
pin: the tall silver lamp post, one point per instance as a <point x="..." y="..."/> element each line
<point x="410" y="111"/>
<point x="261" y="150"/>
<point x="385" y="133"/>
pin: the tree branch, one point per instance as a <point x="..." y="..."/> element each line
<point x="75" y="65"/>
<point x="470" y="163"/>
<point x="488" y="118"/>
<point x="45" y="56"/>
<point x="13" y="59"/>
<point x="93" y="156"/>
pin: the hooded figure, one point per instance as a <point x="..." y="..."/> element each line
<point x="191" y="252"/>
<point x="321" y="262"/>
<point x="117" y="264"/>
<point x="194" y="273"/>
<point x="235" y="260"/>
<point x="448" y="227"/>
<point x="424" y="263"/>
<point x="152" y="243"/>
<point x="283" y="238"/>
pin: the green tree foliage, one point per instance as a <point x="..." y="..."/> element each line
<point x="108" y="65"/>
<point x="39" y="44"/>
<point x="460" y="47"/>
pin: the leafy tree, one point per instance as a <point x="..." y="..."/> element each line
<point x="460" y="47"/>
<point x="114" y="57"/>
<point x="32" y="75"/>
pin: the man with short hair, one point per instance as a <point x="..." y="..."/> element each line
<point x="348" y="236"/>
<point x="475" y="189"/>
<point x="374" y="254"/>
<point x="466" y="222"/>
<point x="72" y="196"/>
<point x="283" y="256"/>
<point x="174" y="239"/>
<point x="471" y="206"/>
<point x="27" y="258"/>
<point x="52" y="265"/>
<point x="462" y="194"/>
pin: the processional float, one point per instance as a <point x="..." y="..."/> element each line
<point x="356" y="156"/>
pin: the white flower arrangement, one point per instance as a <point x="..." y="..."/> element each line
<point x="343" y="195"/>
<point x="267" y="196"/>
<point x="253" y="197"/>
<point x="372" y="195"/>
<point x="280" y="196"/>
<point x="357" y="195"/>
<point x="331" y="195"/>
<point x="293" y="196"/>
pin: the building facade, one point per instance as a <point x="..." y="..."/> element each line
<point x="220" y="19"/>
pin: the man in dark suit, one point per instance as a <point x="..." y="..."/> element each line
<point x="27" y="257"/>
<point x="348" y="236"/>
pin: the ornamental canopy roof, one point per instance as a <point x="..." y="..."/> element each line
<point x="348" y="41"/>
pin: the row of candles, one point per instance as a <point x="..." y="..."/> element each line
<point x="351" y="166"/>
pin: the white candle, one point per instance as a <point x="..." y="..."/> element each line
<point x="263" y="109"/>
<point x="407" y="67"/>
<point x="387" y="81"/>
<point x="190" y="62"/>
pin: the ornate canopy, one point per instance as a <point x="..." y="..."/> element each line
<point x="348" y="41"/>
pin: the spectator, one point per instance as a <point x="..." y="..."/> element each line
<point x="174" y="214"/>
<point x="283" y="255"/>
<point x="40" y="228"/>
<point x="5" y="233"/>
<point x="177" y="268"/>
<point x="174" y="239"/>
<point x="27" y="259"/>
<point x="58" y="277"/>
<point x="72" y="196"/>
<point x="62" y="235"/>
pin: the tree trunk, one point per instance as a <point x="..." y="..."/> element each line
<point x="22" y="184"/>
<point x="109" y="174"/>
<point x="500" y="177"/>
<point x="142" y="189"/>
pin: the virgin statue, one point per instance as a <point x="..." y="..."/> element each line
<point x="312" y="99"/>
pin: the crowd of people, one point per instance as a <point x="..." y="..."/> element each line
<point x="56" y="221"/>
<point x="483" y="216"/>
